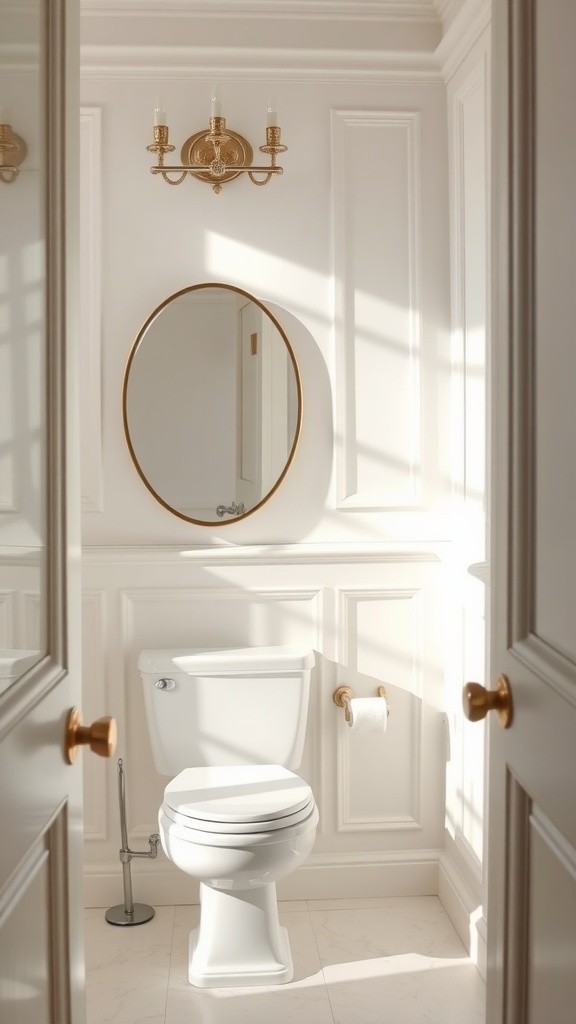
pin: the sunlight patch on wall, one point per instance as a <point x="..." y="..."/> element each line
<point x="247" y="266"/>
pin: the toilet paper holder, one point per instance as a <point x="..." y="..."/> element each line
<point x="344" y="694"/>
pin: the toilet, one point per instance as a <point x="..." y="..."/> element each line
<point x="228" y="726"/>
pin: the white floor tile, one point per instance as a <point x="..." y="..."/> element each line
<point x="416" y="924"/>
<point x="127" y="969"/>
<point x="399" y="962"/>
<point x="380" y="961"/>
<point x="407" y="989"/>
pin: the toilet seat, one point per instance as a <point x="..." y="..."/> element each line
<point x="237" y="828"/>
<point x="233" y="799"/>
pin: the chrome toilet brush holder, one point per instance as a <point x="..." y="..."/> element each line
<point x="129" y="913"/>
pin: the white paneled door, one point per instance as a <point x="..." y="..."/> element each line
<point x="532" y="847"/>
<point x="41" y="949"/>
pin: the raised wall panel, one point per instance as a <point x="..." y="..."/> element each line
<point x="32" y="621"/>
<point x="20" y="614"/>
<point x="97" y="774"/>
<point x="376" y="260"/>
<point x="469" y="287"/>
<point x="381" y="773"/>
<point x="6" y="619"/>
<point x="7" y="497"/>
<point x="90" y="309"/>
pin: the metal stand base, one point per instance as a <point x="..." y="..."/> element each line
<point x="119" y="915"/>
<point x="128" y="913"/>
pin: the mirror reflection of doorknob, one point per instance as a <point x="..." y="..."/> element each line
<point x="477" y="701"/>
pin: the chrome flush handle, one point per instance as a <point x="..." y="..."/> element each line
<point x="165" y="684"/>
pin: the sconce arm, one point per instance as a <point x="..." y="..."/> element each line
<point x="164" y="172"/>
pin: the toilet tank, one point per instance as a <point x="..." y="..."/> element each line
<point x="226" y="706"/>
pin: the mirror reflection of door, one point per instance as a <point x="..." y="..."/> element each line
<point x="23" y="413"/>
<point x="267" y="405"/>
<point x="250" y="427"/>
<point x="212" y="404"/>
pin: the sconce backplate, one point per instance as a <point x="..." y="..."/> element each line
<point x="235" y="152"/>
<point x="21" y="152"/>
<point x="13" y="151"/>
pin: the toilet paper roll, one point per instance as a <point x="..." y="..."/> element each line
<point x="368" y="714"/>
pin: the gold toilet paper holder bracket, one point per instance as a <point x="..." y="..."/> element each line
<point x="343" y="695"/>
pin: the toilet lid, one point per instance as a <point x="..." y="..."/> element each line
<point x="239" y="795"/>
<point x="236" y="828"/>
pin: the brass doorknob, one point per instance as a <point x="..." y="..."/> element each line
<point x="477" y="701"/>
<point x="100" y="736"/>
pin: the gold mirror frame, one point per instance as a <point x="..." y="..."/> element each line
<point x="298" y="383"/>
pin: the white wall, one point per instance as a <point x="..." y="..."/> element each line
<point x="466" y="66"/>
<point x="353" y="555"/>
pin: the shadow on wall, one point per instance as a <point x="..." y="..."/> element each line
<point x="310" y="472"/>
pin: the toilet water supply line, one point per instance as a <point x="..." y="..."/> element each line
<point x="129" y="912"/>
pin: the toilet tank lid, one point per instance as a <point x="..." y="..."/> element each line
<point x="237" y="660"/>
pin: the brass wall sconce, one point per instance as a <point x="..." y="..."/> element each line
<point x="217" y="155"/>
<point x="13" y="151"/>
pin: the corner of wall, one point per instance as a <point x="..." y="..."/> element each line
<point x="460" y="893"/>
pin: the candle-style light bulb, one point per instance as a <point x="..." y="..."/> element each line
<point x="160" y="111"/>
<point x="272" y="113"/>
<point x="216" y="110"/>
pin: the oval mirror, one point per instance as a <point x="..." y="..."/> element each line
<point x="212" y="404"/>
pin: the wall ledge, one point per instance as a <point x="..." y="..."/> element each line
<point x="293" y="554"/>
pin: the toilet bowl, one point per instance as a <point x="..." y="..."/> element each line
<point x="238" y="830"/>
<point x="235" y="827"/>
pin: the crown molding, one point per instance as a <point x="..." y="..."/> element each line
<point x="176" y="63"/>
<point x="348" y="10"/>
<point x="328" y="35"/>
<point x="462" y="35"/>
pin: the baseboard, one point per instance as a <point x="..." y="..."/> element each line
<point x="324" y="876"/>
<point x="464" y="908"/>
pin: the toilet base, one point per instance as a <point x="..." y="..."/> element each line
<point x="239" y="941"/>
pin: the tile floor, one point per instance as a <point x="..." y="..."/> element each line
<point x="363" y="961"/>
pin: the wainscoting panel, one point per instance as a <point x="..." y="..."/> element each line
<point x="19" y="602"/>
<point x="32" y="615"/>
<point x="377" y="259"/>
<point x="6" y="619"/>
<point x="91" y="309"/>
<point x="382" y="633"/>
<point x="368" y="620"/>
<point x="98" y="779"/>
